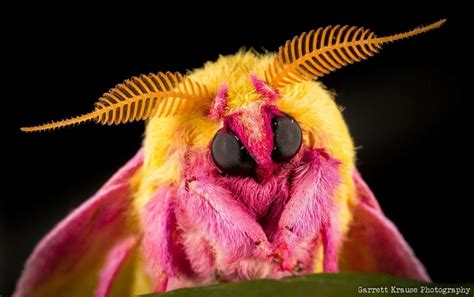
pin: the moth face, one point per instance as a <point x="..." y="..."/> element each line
<point x="255" y="141"/>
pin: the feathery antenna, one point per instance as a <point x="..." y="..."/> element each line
<point x="319" y="52"/>
<point x="139" y="98"/>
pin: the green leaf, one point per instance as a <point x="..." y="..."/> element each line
<point x="322" y="285"/>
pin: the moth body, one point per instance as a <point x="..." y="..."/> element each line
<point x="247" y="171"/>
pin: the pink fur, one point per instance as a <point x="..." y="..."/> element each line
<point x="234" y="228"/>
<point x="253" y="127"/>
<point x="114" y="261"/>
<point x="228" y="226"/>
<point x="331" y="244"/>
<point x="158" y="220"/>
<point x="256" y="196"/>
<point x="212" y="227"/>
<point x="311" y="209"/>
<point x="199" y="252"/>
<point x="72" y="241"/>
<point x="225" y="233"/>
<point x="312" y="190"/>
<point x="266" y="91"/>
<point x="219" y="103"/>
<point x="374" y="243"/>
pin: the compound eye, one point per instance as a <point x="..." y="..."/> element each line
<point x="287" y="138"/>
<point x="230" y="156"/>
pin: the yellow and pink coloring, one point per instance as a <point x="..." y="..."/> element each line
<point x="170" y="218"/>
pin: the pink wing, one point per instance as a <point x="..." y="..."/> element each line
<point x="67" y="261"/>
<point x="374" y="244"/>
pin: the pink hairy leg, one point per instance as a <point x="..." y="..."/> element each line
<point x="209" y="210"/>
<point x="309" y="213"/>
<point x="159" y="243"/>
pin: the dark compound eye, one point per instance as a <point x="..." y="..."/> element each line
<point x="230" y="155"/>
<point x="287" y="138"/>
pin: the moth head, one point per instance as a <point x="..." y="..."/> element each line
<point x="258" y="137"/>
<point x="255" y="136"/>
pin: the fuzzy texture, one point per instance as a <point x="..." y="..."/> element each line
<point x="311" y="210"/>
<point x="217" y="109"/>
<point x="267" y="92"/>
<point x="221" y="236"/>
<point x="199" y="226"/>
<point x="158" y="218"/>
<point x="252" y="124"/>
<point x="309" y="103"/>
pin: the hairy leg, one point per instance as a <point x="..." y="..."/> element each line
<point x="309" y="213"/>
<point x="230" y="229"/>
<point x="159" y="246"/>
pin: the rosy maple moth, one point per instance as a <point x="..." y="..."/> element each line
<point x="246" y="171"/>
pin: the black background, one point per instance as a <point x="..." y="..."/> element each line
<point x="407" y="110"/>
